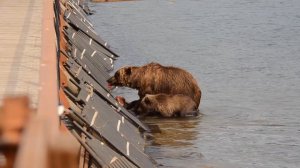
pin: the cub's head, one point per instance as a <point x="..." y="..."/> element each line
<point x="121" y="77"/>
<point x="148" y="104"/>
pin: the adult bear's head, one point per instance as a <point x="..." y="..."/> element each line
<point x="122" y="77"/>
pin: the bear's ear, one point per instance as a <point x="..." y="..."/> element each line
<point x="147" y="101"/>
<point x="128" y="71"/>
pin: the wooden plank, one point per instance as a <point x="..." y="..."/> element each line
<point x="96" y="69"/>
<point x="86" y="49"/>
<point x="120" y="124"/>
<point x="102" y="150"/>
<point x="40" y="146"/>
<point x="99" y="47"/>
<point x="80" y="23"/>
<point x="85" y="78"/>
<point x="78" y="71"/>
<point x="82" y="97"/>
<point x="125" y="147"/>
<point x="20" y="49"/>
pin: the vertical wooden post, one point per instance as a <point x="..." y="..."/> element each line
<point x="13" y="118"/>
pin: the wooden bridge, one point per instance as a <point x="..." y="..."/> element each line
<point x="57" y="110"/>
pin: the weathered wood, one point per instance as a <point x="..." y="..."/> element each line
<point x="120" y="163"/>
<point x="96" y="69"/>
<point x="80" y="22"/>
<point x="42" y="141"/>
<point x="13" y="117"/>
<point x="20" y="39"/>
<point x="86" y="93"/>
<point x="123" y="127"/>
<point x="115" y="139"/>
<point x="82" y="43"/>
<point x="125" y="147"/>
<point x="86" y="76"/>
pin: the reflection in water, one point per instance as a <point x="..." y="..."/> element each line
<point x="173" y="142"/>
<point x="173" y="132"/>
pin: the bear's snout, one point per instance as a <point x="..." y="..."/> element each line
<point x="112" y="80"/>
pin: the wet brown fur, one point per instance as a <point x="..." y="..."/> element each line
<point x="167" y="105"/>
<point x="154" y="78"/>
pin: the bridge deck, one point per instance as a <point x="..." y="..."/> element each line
<point x="20" y="51"/>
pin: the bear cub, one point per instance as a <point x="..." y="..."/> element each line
<point x="166" y="105"/>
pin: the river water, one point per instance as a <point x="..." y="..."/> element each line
<point x="245" y="55"/>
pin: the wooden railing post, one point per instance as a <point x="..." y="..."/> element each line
<point x="13" y="118"/>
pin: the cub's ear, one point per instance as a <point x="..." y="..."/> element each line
<point x="128" y="71"/>
<point x="147" y="101"/>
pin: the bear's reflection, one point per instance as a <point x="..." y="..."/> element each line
<point x="175" y="132"/>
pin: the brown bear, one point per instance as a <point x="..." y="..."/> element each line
<point x="167" y="105"/>
<point x="154" y="78"/>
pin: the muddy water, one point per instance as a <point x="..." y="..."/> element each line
<point x="245" y="54"/>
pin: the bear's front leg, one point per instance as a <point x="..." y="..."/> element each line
<point x="143" y="91"/>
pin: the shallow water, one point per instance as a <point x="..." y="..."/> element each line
<point x="245" y="55"/>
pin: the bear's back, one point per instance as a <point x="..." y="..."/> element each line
<point x="170" y="80"/>
<point x="172" y="105"/>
